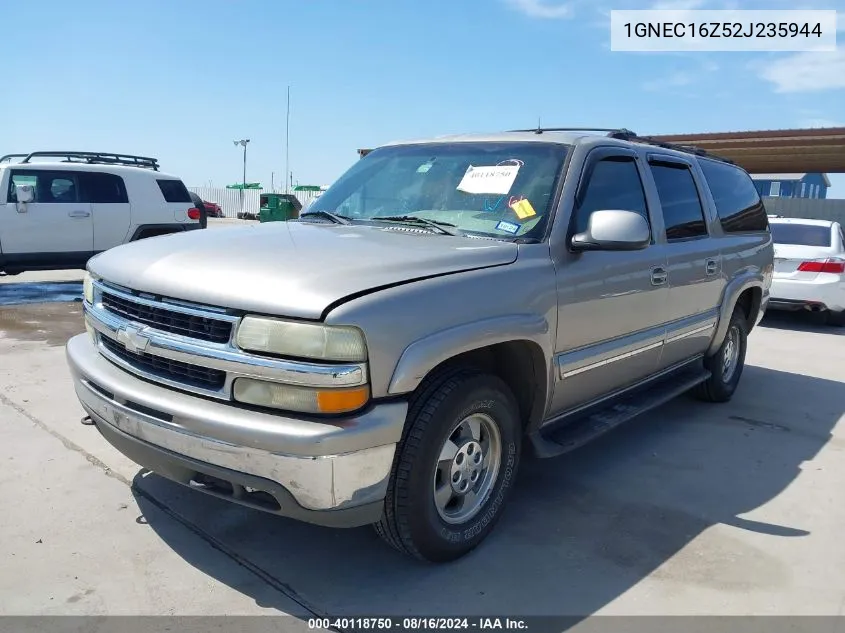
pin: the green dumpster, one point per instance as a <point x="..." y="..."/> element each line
<point x="278" y="207"/>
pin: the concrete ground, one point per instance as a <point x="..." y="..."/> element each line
<point x="695" y="509"/>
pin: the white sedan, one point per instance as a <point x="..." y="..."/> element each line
<point x="809" y="267"/>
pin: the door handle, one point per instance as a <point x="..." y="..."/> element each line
<point x="79" y="214"/>
<point x="659" y="276"/>
<point x="712" y="267"/>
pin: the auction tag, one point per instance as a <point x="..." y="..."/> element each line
<point x="494" y="180"/>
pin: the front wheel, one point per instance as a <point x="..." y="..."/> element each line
<point x="727" y="363"/>
<point x="454" y="468"/>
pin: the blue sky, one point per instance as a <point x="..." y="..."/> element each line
<point x="180" y="80"/>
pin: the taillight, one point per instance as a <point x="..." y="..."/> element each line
<point x="194" y="213"/>
<point x="830" y="265"/>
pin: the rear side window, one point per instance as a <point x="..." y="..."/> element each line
<point x="99" y="188"/>
<point x="683" y="214"/>
<point x="174" y="191"/>
<point x="738" y="204"/>
<point x="801" y="234"/>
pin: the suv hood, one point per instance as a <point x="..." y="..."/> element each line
<point x="294" y="269"/>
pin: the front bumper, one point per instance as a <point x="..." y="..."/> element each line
<point x="328" y="472"/>
<point x="825" y="292"/>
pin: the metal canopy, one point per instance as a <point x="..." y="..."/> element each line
<point x="775" y="151"/>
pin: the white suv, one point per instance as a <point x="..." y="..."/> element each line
<point x="57" y="214"/>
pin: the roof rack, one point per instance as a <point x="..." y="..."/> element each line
<point x="624" y="134"/>
<point x="627" y="135"/>
<point x="96" y="158"/>
<point x="9" y="157"/>
<point x="610" y="131"/>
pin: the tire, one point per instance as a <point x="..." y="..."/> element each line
<point x="719" y="388"/>
<point x="836" y="319"/>
<point x="448" y="407"/>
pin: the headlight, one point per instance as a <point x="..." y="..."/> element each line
<point x="302" y="340"/>
<point x="88" y="288"/>
<point x="304" y="399"/>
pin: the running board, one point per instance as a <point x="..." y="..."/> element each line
<point x="584" y="427"/>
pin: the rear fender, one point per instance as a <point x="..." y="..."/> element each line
<point x="739" y="284"/>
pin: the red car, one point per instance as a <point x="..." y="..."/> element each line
<point x="213" y="209"/>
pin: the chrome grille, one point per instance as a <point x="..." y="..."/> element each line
<point x="190" y="325"/>
<point x="173" y="370"/>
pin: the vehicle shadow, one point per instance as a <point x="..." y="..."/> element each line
<point x="40" y="292"/>
<point x="800" y="322"/>
<point x="579" y="531"/>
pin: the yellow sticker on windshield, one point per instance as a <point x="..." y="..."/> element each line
<point x="523" y="209"/>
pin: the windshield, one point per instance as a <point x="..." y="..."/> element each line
<point x="491" y="189"/>
<point x="801" y="234"/>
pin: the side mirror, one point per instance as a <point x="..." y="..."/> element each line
<point x="24" y="193"/>
<point x="613" y="230"/>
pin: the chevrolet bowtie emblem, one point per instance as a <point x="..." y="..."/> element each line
<point x="133" y="339"/>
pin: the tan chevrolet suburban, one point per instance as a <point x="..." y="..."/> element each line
<point x="446" y="305"/>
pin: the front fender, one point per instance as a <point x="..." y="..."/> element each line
<point x="424" y="354"/>
<point x="744" y="281"/>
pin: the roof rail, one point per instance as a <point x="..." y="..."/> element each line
<point x="688" y="149"/>
<point x="97" y="158"/>
<point x="9" y="157"/>
<point x="610" y="131"/>
<point x="624" y="134"/>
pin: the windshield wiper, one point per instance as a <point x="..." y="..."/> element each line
<point x="334" y="217"/>
<point x="412" y="219"/>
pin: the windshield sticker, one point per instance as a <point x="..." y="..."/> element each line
<point x="492" y="180"/>
<point x="508" y="227"/>
<point x="511" y="161"/>
<point x="523" y="209"/>
<point x="424" y="167"/>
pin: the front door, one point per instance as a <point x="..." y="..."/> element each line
<point x="611" y="304"/>
<point x="55" y="229"/>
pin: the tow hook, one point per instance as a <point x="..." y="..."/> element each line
<point x="87" y="421"/>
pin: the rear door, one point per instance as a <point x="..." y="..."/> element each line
<point x="56" y="228"/>
<point x="106" y="193"/>
<point x="799" y="242"/>
<point x="694" y="262"/>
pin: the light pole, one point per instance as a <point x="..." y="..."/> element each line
<point x="287" y="145"/>
<point x="244" y="142"/>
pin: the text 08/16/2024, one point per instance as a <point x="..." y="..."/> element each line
<point x="748" y="31"/>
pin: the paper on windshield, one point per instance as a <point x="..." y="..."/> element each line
<point x="494" y="179"/>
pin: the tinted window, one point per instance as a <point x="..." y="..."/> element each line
<point x="614" y="184"/>
<point x="738" y="204"/>
<point x="801" y="234"/>
<point x="102" y="188"/>
<point x="682" y="212"/>
<point x="50" y="186"/>
<point x="174" y="191"/>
